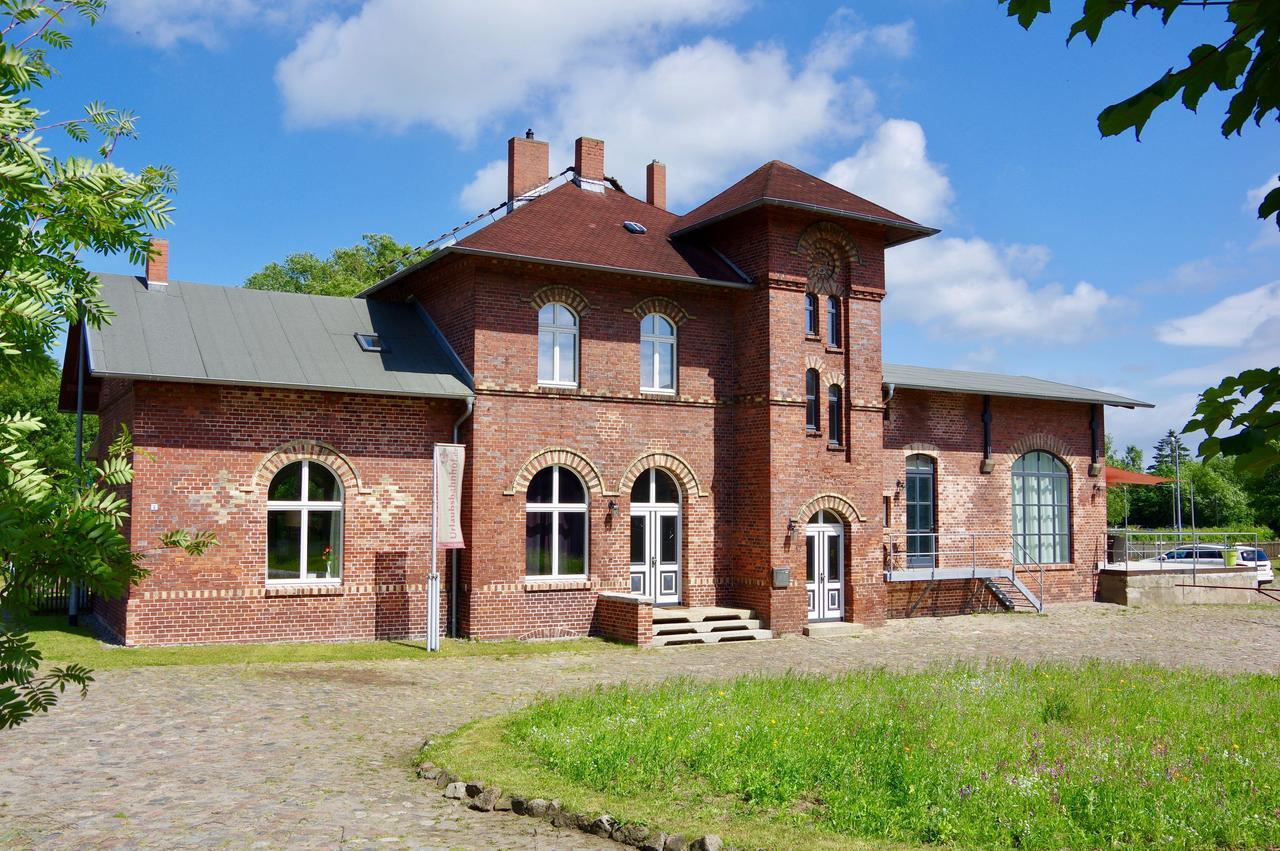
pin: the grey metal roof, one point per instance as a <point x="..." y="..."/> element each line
<point x="231" y="335"/>
<point x="995" y="384"/>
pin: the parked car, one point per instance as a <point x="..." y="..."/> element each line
<point x="1212" y="553"/>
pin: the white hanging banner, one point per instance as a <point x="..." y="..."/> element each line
<point x="448" y="496"/>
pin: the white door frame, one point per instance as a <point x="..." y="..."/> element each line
<point x="652" y="576"/>
<point x="824" y="582"/>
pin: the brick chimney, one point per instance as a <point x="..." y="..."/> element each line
<point x="655" y="184"/>
<point x="527" y="165"/>
<point x="588" y="158"/>
<point x="157" y="271"/>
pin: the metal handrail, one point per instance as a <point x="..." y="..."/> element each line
<point x="1160" y="542"/>
<point x="966" y="549"/>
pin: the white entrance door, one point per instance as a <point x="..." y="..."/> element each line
<point x="824" y="567"/>
<point x="655" y="538"/>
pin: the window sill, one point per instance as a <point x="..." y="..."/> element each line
<point x="556" y="584"/>
<point x="548" y="386"/>
<point x="835" y="350"/>
<point x="305" y="589"/>
<point x="653" y="391"/>
<point x="812" y="338"/>
<point x="812" y="435"/>
<point x="835" y="447"/>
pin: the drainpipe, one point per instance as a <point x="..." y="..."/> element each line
<point x="453" y="554"/>
<point x="73" y="605"/>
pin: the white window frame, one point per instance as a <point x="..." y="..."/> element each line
<point x="556" y="508"/>
<point x="649" y="373"/>
<point x="1061" y="512"/>
<point x="557" y="332"/>
<point x="305" y="506"/>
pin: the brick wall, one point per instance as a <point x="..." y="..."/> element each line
<point x="624" y="618"/>
<point x="199" y="464"/>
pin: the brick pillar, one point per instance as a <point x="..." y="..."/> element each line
<point x="588" y="158"/>
<point x="527" y="165"/>
<point x="157" y="271"/>
<point x="655" y="184"/>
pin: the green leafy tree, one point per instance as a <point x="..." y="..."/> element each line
<point x="345" y="272"/>
<point x="58" y="528"/>
<point x="1246" y="64"/>
<point x="35" y="392"/>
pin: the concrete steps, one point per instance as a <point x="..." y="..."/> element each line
<point x="674" y="625"/>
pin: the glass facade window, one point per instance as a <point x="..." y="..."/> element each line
<point x="812" y="411"/>
<point x="1041" y="510"/>
<point x="810" y="315"/>
<point x="555" y="527"/>
<point x="921" y="514"/>
<point x="835" y="415"/>
<point x="833" y="322"/>
<point x="557" y="346"/>
<point x="304" y="524"/>
<point x="657" y="354"/>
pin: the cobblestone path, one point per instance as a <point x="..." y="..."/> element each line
<point x="317" y="755"/>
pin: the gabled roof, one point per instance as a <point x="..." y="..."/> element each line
<point x="230" y="335"/>
<point x="996" y="384"/>
<point x="575" y="226"/>
<point x="779" y="184"/>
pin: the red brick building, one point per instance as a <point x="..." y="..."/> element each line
<point x="658" y="411"/>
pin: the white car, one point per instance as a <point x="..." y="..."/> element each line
<point x="1212" y="554"/>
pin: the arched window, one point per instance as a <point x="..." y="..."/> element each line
<point x="835" y="414"/>
<point x="810" y="315"/>
<point x="812" y="411"/>
<point x="555" y="526"/>
<point x="921" y="513"/>
<point x="657" y="354"/>
<point x="557" y="346"/>
<point x="833" y="322"/>
<point x="1041" y="510"/>
<point x="655" y="486"/>
<point x="304" y="524"/>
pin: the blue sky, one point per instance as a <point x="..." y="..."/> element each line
<point x="1135" y="267"/>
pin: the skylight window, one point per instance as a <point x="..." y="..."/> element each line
<point x="370" y="342"/>
<point x="634" y="227"/>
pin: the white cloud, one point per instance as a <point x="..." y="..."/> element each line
<point x="397" y="63"/>
<point x="973" y="286"/>
<point x="168" y="23"/>
<point x="1269" y="235"/>
<point x="893" y="169"/>
<point x="1233" y="322"/>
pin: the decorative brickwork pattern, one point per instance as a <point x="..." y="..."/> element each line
<point x="829" y="251"/>
<point x="829" y="502"/>
<point x="1040" y="442"/>
<point x="561" y="294"/>
<point x="673" y="464"/>
<point x="308" y="450"/>
<point x="921" y="449"/>
<point x="564" y="457"/>
<point x="663" y="305"/>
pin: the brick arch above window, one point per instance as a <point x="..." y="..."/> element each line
<point x="829" y="502"/>
<point x="814" y="362"/>
<point x="662" y="305"/>
<point x="833" y="377"/>
<point x="561" y="294"/>
<point x="309" y="450"/>
<point x="830" y="251"/>
<point x="671" y="463"/>
<point x="564" y="457"/>
<point x="1041" y="442"/>
<point x="921" y="449"/>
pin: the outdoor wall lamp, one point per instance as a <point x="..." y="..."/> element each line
<point x="613" y="507"/>
<point x="791" y="525"/>
<point x="897" y="489"/>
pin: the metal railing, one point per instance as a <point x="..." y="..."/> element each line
<point x="1126" y="547"/>
<point x="962" y="555"/>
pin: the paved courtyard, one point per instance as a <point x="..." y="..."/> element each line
<point x="317" y="755"/>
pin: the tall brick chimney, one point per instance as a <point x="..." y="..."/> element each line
<point x="655" y="184"/>
<point x="528" y="162"/>
<point x="157" y="271"/>
<point x="588" y="158"/>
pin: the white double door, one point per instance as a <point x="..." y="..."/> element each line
<point x="824" y="570"/>
<point x="655" y="553"/>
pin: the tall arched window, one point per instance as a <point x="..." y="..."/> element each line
<point x="555" y="527"/>
<point x="833" y="322"/>
<point x="835" y="414"/>
<point x="1041" y="510"/>
<point x="304" y="524"/>
<point x="657" y="354"/>
<point x="812" y="409"/>
<point x="557" y="346"/>
<point x="921" y="515"/>
<point x="810" y="315"/>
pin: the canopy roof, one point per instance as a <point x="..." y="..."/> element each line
<point x="1119" y="476"/>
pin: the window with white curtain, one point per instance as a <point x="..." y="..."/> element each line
<point x="1041" y="510"/>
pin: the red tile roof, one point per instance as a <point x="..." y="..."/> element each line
<point x="574" y="225"/>
<point x="778" y="183"/>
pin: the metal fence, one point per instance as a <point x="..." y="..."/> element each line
<point x="53" y="597"/>
<point x="1125" y="545"/>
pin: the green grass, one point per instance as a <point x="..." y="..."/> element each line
<point x="59" y="644"/>
<point x="1036" y="757"/>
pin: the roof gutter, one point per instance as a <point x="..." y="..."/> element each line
<point x="547" y="261"/>
<point x="239" y="382"/>
<point x="1116" y="402"/>
<point x="920" y="231"/>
